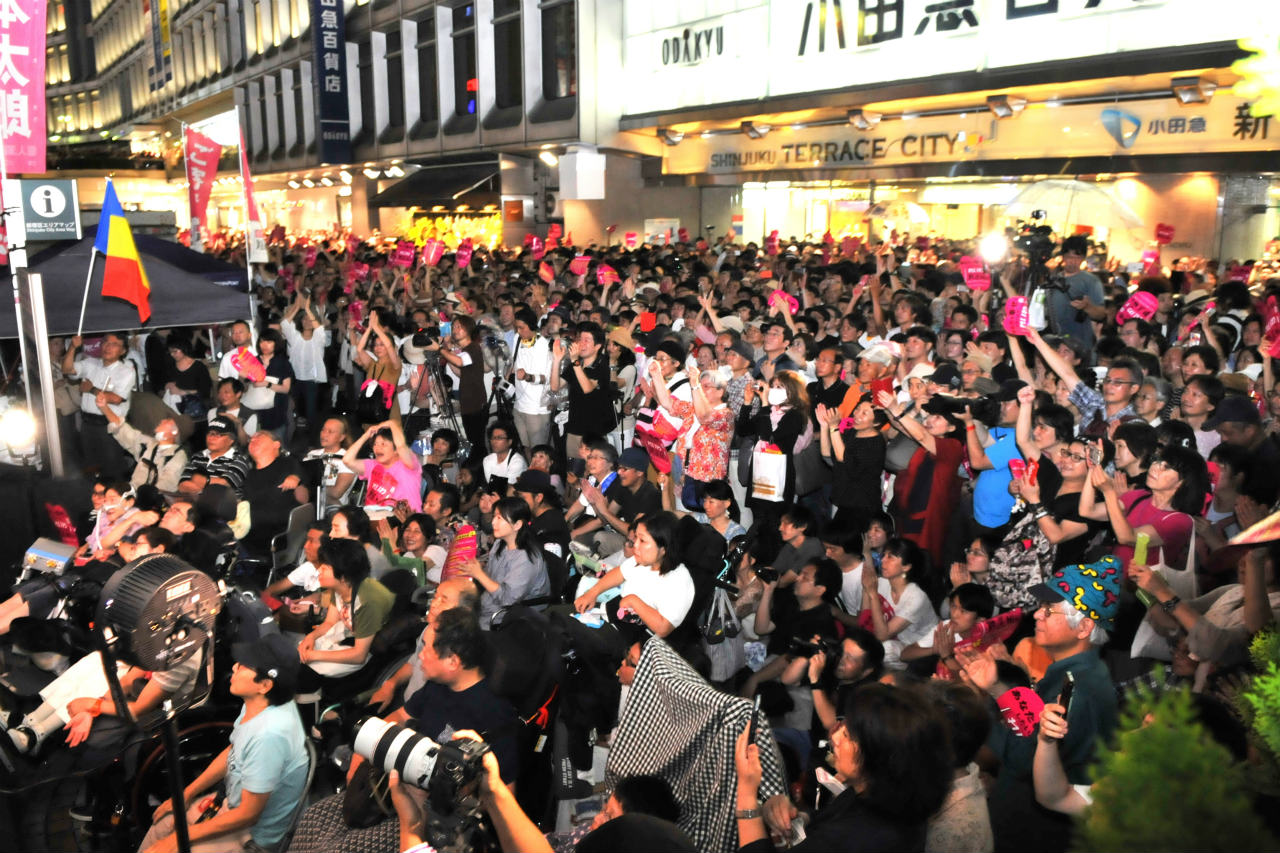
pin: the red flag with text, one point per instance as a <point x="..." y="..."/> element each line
<point x="202" y="170"/>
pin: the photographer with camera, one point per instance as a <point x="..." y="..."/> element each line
<point x="831" y="669"/>
<point x="454" y="697"/>
<point x="1077" y="299"/>
<point x="466" y="361"/>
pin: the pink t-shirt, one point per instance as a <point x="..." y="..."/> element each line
<point x="1174" y="529"/>
<point x="397" y="483"/>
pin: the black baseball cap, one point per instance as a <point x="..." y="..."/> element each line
<point x="272" y="657"/>
<point x="221" y="424"/>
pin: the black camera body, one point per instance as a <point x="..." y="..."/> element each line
<point x="1036" y="241"/>
<point x="802" y="648"/>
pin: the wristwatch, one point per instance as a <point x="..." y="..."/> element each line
<point x="1170" y="605"/>
<point x="748" y="814"/>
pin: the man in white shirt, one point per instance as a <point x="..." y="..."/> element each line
<point x="112" y="375"/>
<point x="241" y="336"/>
<point x="532" y="373"/>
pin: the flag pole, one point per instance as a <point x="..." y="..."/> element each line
<point x="84" y="302"/>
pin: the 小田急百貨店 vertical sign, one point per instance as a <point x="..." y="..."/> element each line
<point x="332" y="117"/>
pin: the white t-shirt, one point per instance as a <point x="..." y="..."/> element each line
<point x="913" y="606"/>
<point x="851" y="591"/>
<point x="306" y="576"/>
<point x="511" y="468"/>
<point x="670" y="594"/>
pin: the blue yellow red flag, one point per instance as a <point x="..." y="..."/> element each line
<point x="122" y="275"/>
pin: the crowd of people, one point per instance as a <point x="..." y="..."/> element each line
<point x="924" y="514"/>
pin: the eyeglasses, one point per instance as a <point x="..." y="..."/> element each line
<point x="975" y="552"/>
<point x="597" y="456"/>
<point x="1067" y="454"/>
<point x="497" y="437"/>
<point x="1111" y="381"/>
<point x="1050" y="609"/>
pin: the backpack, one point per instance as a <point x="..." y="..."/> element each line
<point x="1023" y="559"/>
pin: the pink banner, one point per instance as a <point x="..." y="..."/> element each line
<point x="255" y="243"/>
<point x="202" y="171"/>
<point x="22" y="105"/>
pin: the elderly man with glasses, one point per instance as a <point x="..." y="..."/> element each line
<point x="1078" y="607"/>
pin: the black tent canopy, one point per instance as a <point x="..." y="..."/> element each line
<point x="178" y="297"/>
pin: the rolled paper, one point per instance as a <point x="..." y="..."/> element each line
<point x="1140" y="549"/>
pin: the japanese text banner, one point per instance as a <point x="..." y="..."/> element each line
<point x="202" y="169"/>
<point x="22" y="107"/>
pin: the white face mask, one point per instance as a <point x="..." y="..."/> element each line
<point x="777" y="396"/>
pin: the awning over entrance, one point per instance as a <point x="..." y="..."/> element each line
<point x="475" y="183"/>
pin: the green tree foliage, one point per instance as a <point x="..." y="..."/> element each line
<point x="1167" y="785"/>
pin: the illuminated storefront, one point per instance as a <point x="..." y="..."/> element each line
<point x="870" y="116"/>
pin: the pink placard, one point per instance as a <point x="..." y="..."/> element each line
<point x="683" y="234"/>
<point x="461" y="552"/>
<point x="849" y="245"/>
<point x="248" y="365"/>
<point x="975" y="273"/>
<point x="578" y="266"/>
<point x="353" y="244"/>
<point x="630" y="238"/>
<point x="1021" y="708"/>
<point x="22" y="86"/>
<point x="606" y="274"/>
<point x="771" y="243"/>
<point x="1239" y="273"/>
<point x="1140" y="306"/>
<point x="403" y="255"/>
<point x="432" y="251"/>
<point x="546" y="272"/>
<point x="1164" y="234"/>
<point x="310" y="258"/>
<point x="537" y="249"/>
<point x="1150" y="259"/>
<point x="1017" y="315"/>
<point x="463" y="256"/>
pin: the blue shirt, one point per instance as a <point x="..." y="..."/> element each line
<point x="269" y="756"/>
<point x="992" y="502"/>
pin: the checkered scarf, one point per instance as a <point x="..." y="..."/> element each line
<point x="677" y="726"/>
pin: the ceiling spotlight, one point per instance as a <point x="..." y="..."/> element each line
<point x="1193" y="90"/>
<point x="549" y="157"/>
<point x="372" y="174"/>
<point x="395" y="172"/>
<point x="326" y="182"/>
<point x="863" y="119"/>
<point x="753" y="130"/>
<point x="308" y="183"/>
<point x="294" y="185"/>
<point x="669" y="136"/>
<point x="1006" y="106"/>
<point x="345" y="175"/>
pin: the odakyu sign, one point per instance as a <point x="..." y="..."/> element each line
<point x="685" y="54"/>
<point x="1159" y="126"/>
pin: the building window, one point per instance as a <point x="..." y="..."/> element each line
<point x="395" y="79"/>
<point x="507" y="58"/>
<point x="465" y="84"/>
<point x="559" y="50"/>
<point x="428" y="96"/>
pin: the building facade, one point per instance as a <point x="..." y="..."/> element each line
<point x="497" y="117"/>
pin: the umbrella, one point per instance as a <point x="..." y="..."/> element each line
<point x="1073" y="202"/>
<point x="178" y="298"/>
<point x="899" y="211"/>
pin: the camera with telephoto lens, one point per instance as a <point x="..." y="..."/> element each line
<point x="449" y="773"/>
